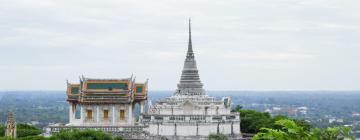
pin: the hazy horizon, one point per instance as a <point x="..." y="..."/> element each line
<point x="208" y="91"/>
<point x="239" y="45"/>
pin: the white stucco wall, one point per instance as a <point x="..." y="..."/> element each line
<point x="167" y="130"/>
<point x="187" y="129"/>
<point x="206" y="129"/>
<point x="98" y="115"/>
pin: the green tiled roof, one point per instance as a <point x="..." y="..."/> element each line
<point x="74" y="90"/>
<point x="139" y="89"/>
<point x="108" y="86"/>
<point x="226" y="102"/>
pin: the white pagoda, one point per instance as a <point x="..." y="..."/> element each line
<point x="190" y="112"/>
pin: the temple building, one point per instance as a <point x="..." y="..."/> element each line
<point x="10" y="126"/>
<point x="190" y="111"/>
<point x="105" y="102"/>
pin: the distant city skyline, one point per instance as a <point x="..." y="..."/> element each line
<point x="238" y="45"/>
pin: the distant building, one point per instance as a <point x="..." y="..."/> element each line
<point x="268" y="110"/>
<point x="276" y="109"/>
<point x="190" y="111"/>
<point x="10" y="126"/>
<point x="292" y="111"/>
<point x="355" y="114"/>
<point x="340" y="120"/>
<point x="331" y="120"/>
<point x="33" y="123"/>
<point x="302" y="108"/>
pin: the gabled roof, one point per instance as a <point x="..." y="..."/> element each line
<point x="106" y="90"/>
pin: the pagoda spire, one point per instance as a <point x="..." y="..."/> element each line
<point x="190" y="83"/>
<point x="190" y="50"/>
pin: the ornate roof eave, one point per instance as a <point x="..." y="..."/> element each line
<point x="105" y="79"/>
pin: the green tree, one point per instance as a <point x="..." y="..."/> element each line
<point x="2" y="130"/>
<point x="82" y="135"/>
<point x="252" y="121"/>
<point x="5" y="138"/>
<point x="331" y="133"/>
<point x="290" y="130"/>
<point x="237" y="108"/>
<point x="32" y="138"/>
<point x="118" y="138"/>
<point x="303" y="123"/>
<point x="68" y="135"/>
<point x="217" y="137"/>
<point x="24" y="130"/>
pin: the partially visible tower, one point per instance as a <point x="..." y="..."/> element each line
<point x="10" y="126"/>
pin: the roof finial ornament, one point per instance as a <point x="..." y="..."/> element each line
<point x="146" y="84"/>
<point x="133" y="82"/>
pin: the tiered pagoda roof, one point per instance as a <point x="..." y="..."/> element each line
<point x="190" y="83"/>
<point x="92" y="90"/>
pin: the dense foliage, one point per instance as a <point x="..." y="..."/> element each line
<point x="71" y="135"/>
<point x="252" y="121"/>
<point x="284" y="128"/>
<point x="2" y="130"/>
<point x="78" y="135"/>
<point x="289" y="130"/>
<point x="23" y="130"/>
<point x="83" y="135"/>
<point x="217" y="137"/>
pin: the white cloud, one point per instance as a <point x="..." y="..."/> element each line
<point x="266" y="56"/>
<point x="49" y="41"/>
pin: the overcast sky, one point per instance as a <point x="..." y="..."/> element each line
<point x="238" y="44"/>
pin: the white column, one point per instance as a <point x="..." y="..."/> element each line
<point x="70" y="113"/>
<point x="82" y="114"/>
<point x="142" y="104"/>
<point x="74" y="112"/>
<point x="130" y="118"/>
<point x="113" y="115"/>
<point x="97" y="114"/>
